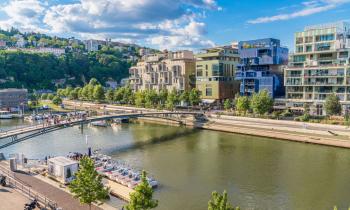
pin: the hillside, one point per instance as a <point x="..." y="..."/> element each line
<point x="19" y="68"/>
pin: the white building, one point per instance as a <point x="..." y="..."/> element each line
<point x="92" y="45"/>
<point x="62" y="168"/>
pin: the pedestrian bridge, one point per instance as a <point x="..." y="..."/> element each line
<point x="17" y="135"/>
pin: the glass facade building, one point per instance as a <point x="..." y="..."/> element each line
<point x="261" y="66"/>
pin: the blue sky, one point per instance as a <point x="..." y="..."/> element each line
<point x="172" y="24"/>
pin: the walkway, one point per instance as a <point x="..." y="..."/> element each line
<point x="14" y="200"/>
<point x="63" y="199"/>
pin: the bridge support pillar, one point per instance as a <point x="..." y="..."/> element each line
<point x="81" y="127"/>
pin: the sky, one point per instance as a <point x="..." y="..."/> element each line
<point x="172" y="24"/>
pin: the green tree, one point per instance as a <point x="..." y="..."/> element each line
<point x="185" y="97"/>
<point x="57" y="100"/>
<point x="220" y="202"/>
<point x="109" y="95"/>
<point x="151" y="98"/>
<point x="261" y="102"/>
<point x="242" y="104"/>
<point x="93" y="82"/>
<point x="332" y="105"/>
<point x="44" y="96"/>
<point x="50" y="96"/>
<point x="99" y="93"/>
<point x="88" y="186"/>
<point x="227" y="104"/>
<point x="194" y="97"/>
<point x="74" y="94"/>
<point x="142" y="198"/>
<point x="172" y="99"/>
<point x="347" y="118"/>
<point x="163" y="95"/>
<point x="139" y="98"/>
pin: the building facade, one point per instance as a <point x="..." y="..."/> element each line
<point x="215" y="71"/>
<point x="261" y="66"/>
<point x="13" y="99"/>
<point x="319" y="67"/>
<point x="167" y="70"/>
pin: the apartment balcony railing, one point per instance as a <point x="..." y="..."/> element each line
<point x="293" y="75"/>
<point x="324" y="75"/>
<point x="323" y="83"/>
<point x="293" y="83"/>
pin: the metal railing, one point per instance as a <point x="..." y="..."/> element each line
<point x="28" y="191"/>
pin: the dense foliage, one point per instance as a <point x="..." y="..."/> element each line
<point x="46" y="71"/>
<point x="93" y="91"/>
<point x="332" y="105"/>
<point x="142" y="198"/>
<point x="220" y="202"/>
<point x="88" y="186"/>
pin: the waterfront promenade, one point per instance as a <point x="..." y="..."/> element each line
<point x="315" y="133"/>
<point x="62" y="198"/>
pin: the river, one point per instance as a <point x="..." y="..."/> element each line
<point x="258" y="173"/>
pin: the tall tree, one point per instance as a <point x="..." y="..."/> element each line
<point x="88" y="186"/>
<point x="142" y="198"/>
<point x="242" y="104"/>
<point x="227" y="104"/>
<point x="99" y="93"/>
<point x="220" y="202"/>
<point x="261" y="102"/>
<point x="194" y="97"/>
<point x="332" y="105"/>
<point x="109" y="95"/>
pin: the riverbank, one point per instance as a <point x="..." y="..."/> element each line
<point x="315" y="133"/>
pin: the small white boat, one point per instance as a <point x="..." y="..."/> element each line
<point x="5" y="115"/>
<point x="101" y="123"/>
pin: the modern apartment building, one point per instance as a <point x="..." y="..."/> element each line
<point x="13" y="99"/>
<point x="166" y="70"/>
<point x="319" y="67"/>
<point x="261" y="66"/>
<point x="215" y="71"/>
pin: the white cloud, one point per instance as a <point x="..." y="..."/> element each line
<point x="132" y="20"/>
<point x="308" y="8"/>
<point x="23" y="13"/>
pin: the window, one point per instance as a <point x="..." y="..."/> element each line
<point x="300" y="49"/>
<point x="323" y="46"/>
<point x="327" y="37"/>
<point x="299" y="58"/>
<point x="208" y="91"/>
<point x="308" y="39"/>
<point x="308" y="48"/>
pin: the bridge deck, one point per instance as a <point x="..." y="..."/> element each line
<point x="29" y="129"/>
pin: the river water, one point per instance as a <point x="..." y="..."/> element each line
<point x="258" y="173"/>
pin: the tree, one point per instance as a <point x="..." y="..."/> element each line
<point x="194" y="97"/>
<point x="44" y="96"/>
<point x="142" y="198"/>
<point x="139" y="98"/>
<point x="172" y="100"/>
<point x="151" y="98"/>
<point x="261" y="102"/>
<point x="99" y="93"/>
<point x="88" y="186"/>
<point x="93" y="82"/>
<point x="242" y="104"/>
<point x="332" y="105"/>
<point x="109" y="95"/>
<point x="185" y="97"/>
<point x="219" y="202"/>
<point x="163" y="95"/>
<point x="57" y="100"/>
<point x="227" y="104"/>
<point x="50" y="96"/>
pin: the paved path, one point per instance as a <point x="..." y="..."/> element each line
<point x="14" y="200"/>
<point x="63" y="199"/>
